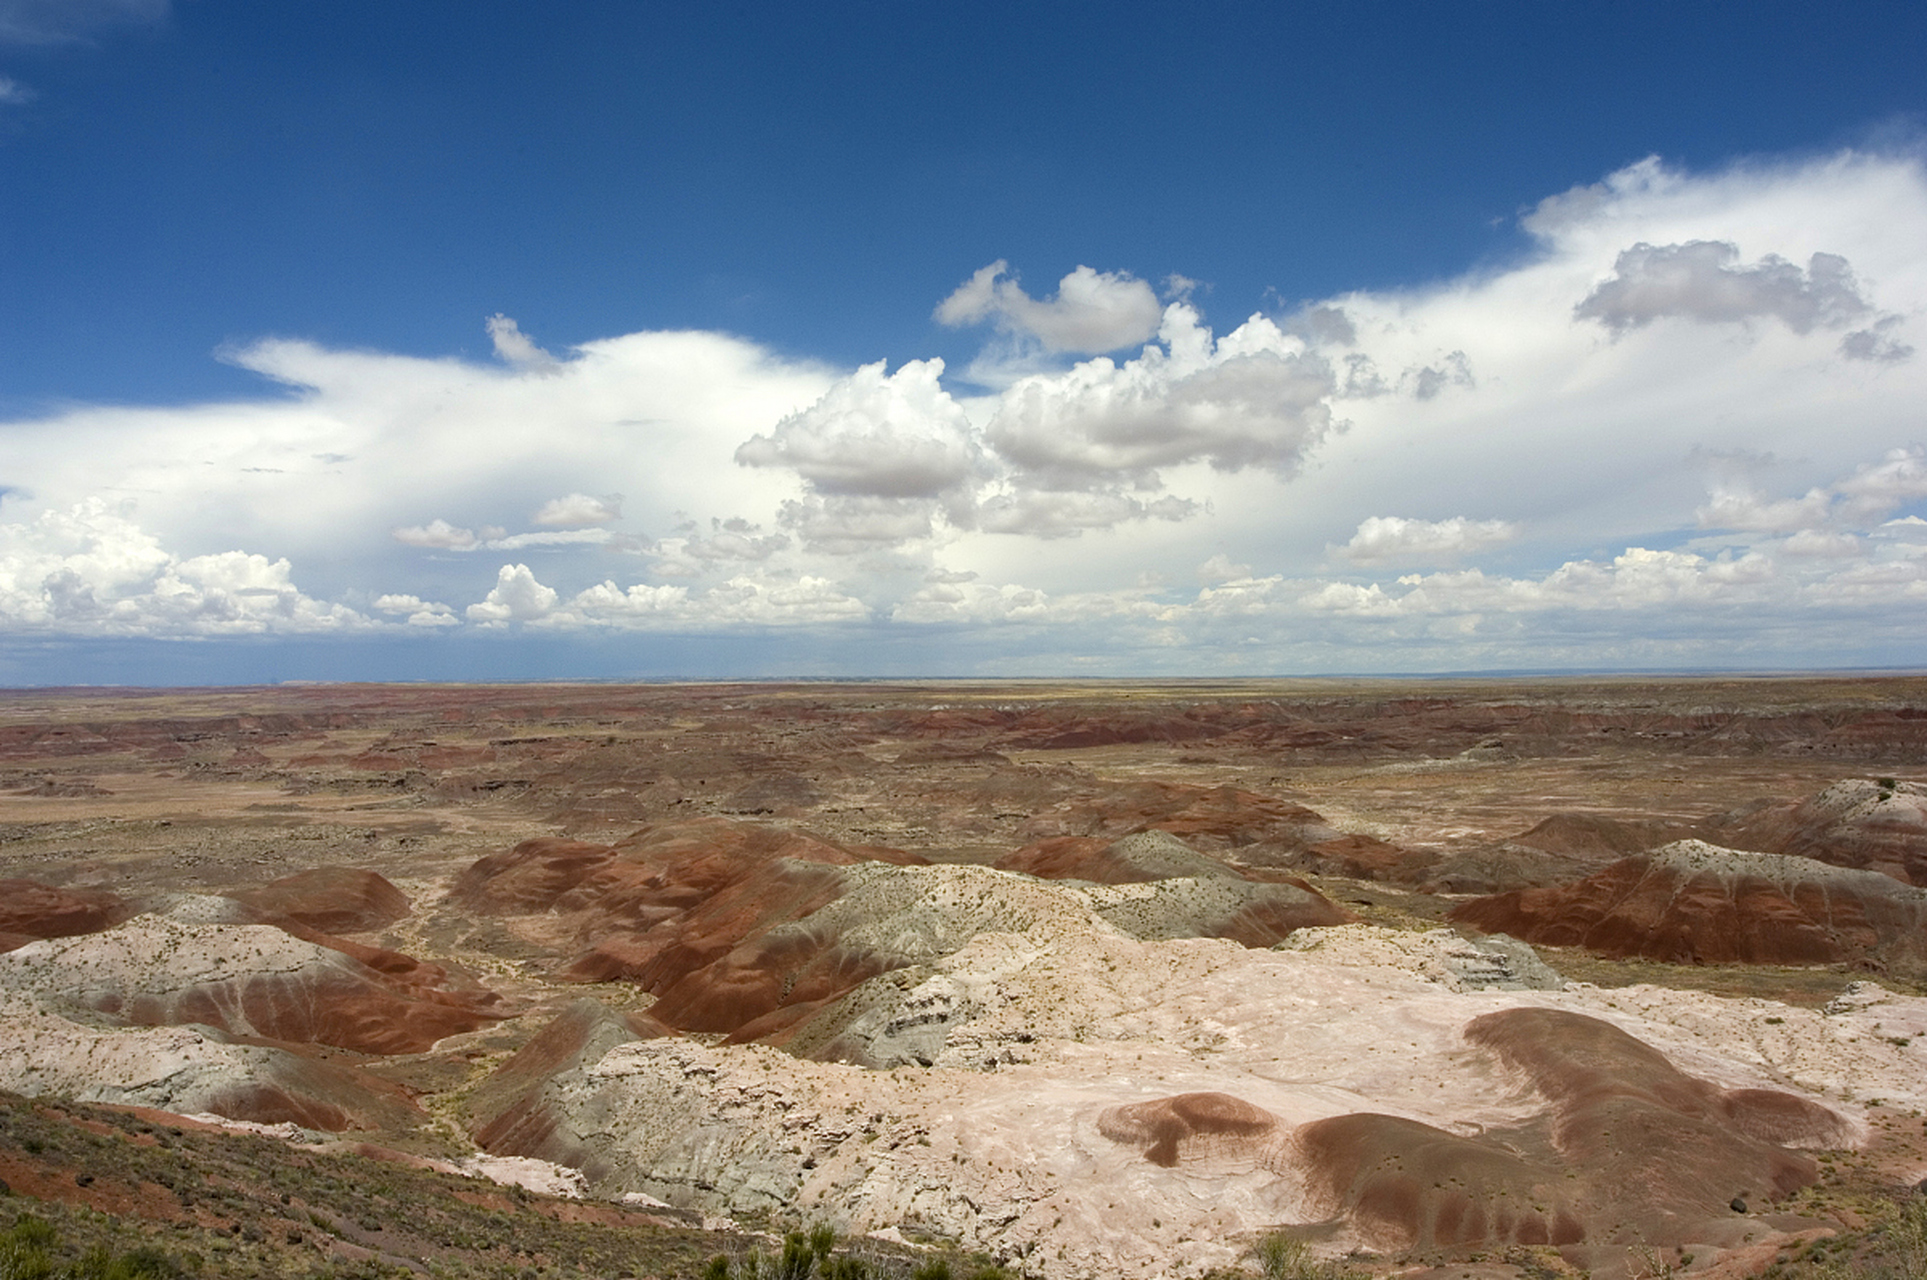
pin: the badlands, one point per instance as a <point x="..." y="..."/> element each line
<point x="1471" y="978"/>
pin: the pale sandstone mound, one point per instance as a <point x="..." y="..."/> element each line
<point x="328" y="900"/>
<point x="1872" y="823"/>
<point x="1066" y="1122"/>
<point x="30" y="910"/>
<point x="244" y="980"/>
<point x="1494" y="963"/>
<point x="1692" y="902"/>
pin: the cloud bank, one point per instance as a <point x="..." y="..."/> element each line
<point x="1684" y="429"/>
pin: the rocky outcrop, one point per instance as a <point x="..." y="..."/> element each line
<point x="510" y="1114"/>
<point x="1132" y="859"/>
<point x="1690" y="902"/>
<point x="750" y="931"/>
<point x="1876" y="824"/>
<point x="242" y="980"/>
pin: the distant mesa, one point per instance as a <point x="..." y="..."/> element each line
<point x="1694" y="903"/>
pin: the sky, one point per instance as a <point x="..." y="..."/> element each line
<point x="634" y="340"/>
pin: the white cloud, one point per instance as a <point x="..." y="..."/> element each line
<point x="1761" y="482"/>
<point x="846" y="524"/>
<point x="875" y="435"/>
<point x="1818" y="544"/>
<point x="578" y="509"/>
<point x="515" y="597"/>
<point x="1219" y="568"/>
<point x="1039" y="513"/>
<point x="90" y="572"/>
<point x="13" y="93"/>
<point x="743" y="601"/>
<point x="417" y="611"/>
<point x="437" y="534"/>
<point x="1868" y="495"/>
<point x="734" y="541"/>
<point x="58" y="21"/>
<point x="1393" y="539"/>
<point x="1255" y="398"/>
<point x="515" y="348"/>
<point x="1092" y="311"/>
<point x="557" y="538"/>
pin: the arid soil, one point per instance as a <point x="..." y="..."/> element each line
<point x="1515" y="978"/>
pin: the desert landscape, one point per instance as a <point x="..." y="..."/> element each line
<point x="1474" y="978"/>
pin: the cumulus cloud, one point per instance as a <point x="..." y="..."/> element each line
<point x="1092" y="311"/>
<point x="517" y="349"/>
<point x="515" y="597"/>
<point x="88" y="571"/>
<point x="743" y="601"/>
<point x="417" y="611"/>
<point x="875" y="435"/>
<point x="58" y="21"/>
<point x="1393" y="539"/>
<point x="1703" y="280"/>
<point x="1638" y="579"/>
<point x="577" y="509"/>
<point x="1255" y="398"/>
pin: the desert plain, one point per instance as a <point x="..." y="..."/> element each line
<point x="1481" y="977"/>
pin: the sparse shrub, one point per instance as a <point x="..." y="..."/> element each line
<point x="935" y="1269"/>
<point x="1283" y="1256"/>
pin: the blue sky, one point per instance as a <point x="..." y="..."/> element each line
<point x="405" y="341"/>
